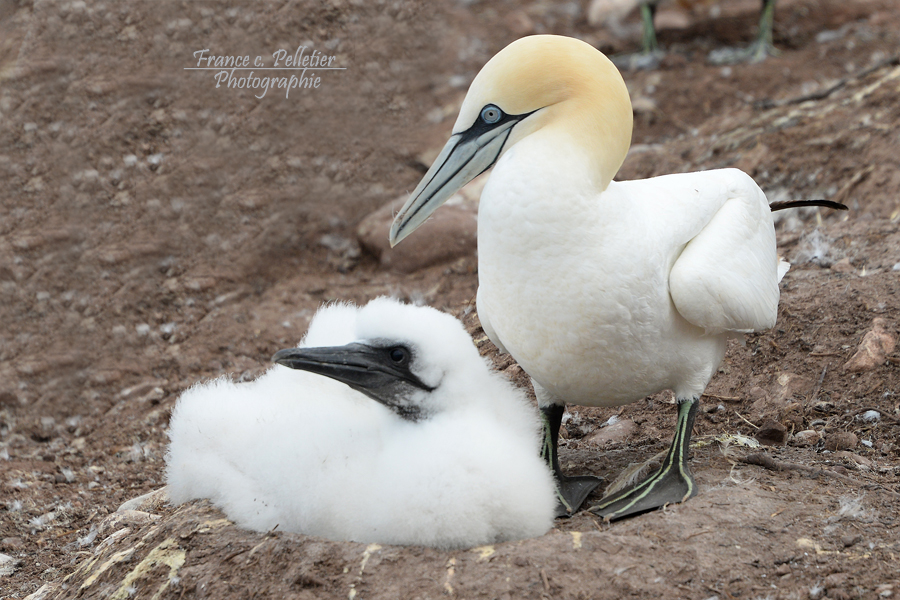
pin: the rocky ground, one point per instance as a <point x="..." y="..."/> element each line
<point x="157" y="231"/>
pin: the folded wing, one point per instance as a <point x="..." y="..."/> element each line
<point x="726" y="278"/>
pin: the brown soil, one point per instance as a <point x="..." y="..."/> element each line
<point x="157" y="231"/>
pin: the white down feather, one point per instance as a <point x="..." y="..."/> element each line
<point x="310" y="455"/>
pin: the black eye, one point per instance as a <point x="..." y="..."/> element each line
<point x="399" y="355"/>
<point x="491" y="114"/>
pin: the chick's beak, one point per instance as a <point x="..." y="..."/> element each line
<point x="366" y="369"/>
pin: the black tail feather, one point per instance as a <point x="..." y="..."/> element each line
<point x="798" y="203"/>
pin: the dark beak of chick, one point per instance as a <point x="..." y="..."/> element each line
<point x="381" y="373"/>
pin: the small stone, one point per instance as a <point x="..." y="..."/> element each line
<point x="644" y="105"/>
<point x="841" y="440"/>
<point x="807" y="437"/>
<point x="842" y="266"/>
<point x="873" y="350"/>
<point x="771" y="433"/>
<point x="851" y="540"/>
<point x="671" y="19"/>
<point x="601" y="12"/>
<point x="789" y="385"/>
<point x="859" y="461"/>
<point x="152" y="501"/>
<point x="617" y="431"/>
<point x="871" y="416"/>
<point x="8" y="565"/>
<point x="200" y="284"/>
<point x="12" y="543"/>
<point x="780" y="398"/>
<point x="823" y="406"/>
<point x="783" y="569"/>
<point x="757" y="393"/>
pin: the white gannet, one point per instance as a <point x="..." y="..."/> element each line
<point x="604" y="292"/>
<point x="446" y="455"/>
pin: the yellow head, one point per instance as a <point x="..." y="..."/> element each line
<point x="536" y="83"/>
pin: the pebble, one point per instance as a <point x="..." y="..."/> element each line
<point x="871" y="416"/>
<point x="617" y="431"/>
<point x="873" y="350"/>
<point x="808" y="437"/>
<point x="843" y="266"/>
<point x="644" y="105"/>
<point x="778" y="401"/>
<point x="12" y="543"/>
<point x="8" y="565"/>
<point x="841" y="440"/>
<point x="771" y="433"/>
<point x="859" y="461"/>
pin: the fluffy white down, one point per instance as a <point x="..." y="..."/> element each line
<point x="310" y="455"/>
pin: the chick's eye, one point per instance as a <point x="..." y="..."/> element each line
<point x="398" y="355"/>
<point x="491" y="114"/>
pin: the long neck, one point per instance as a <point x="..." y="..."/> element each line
<point x="544" y="190"/>
<point x="593" y="137"/>
<point x="602" y="137"/>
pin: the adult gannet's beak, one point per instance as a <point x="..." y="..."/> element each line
<point x="381" y="373"/>
<point x="465" y="156"/>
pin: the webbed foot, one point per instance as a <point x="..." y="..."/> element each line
<point x="672" y="483"/>
<point x="570" y="491"/>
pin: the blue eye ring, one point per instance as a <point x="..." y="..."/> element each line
<point x="490" y="114"/>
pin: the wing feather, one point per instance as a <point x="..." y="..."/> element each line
<point x="726" y="278"/>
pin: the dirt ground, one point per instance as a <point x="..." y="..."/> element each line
<point x="157" y="231"/>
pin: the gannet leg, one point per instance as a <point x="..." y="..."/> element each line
<point x="672" y="483"/>
<point x="650" y="55"/>
<point x="759" y="50"/>
<point x="763" y="46"/>
<point x="648" y="11"/>
<point x="570" y="491"/>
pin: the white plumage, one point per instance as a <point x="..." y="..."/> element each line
<point x="604" y="292"/>
<point x="311" y="455"/>
<point x="621" y="294"/>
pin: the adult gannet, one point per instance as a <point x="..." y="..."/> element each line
<point x="604" y="292"/>
<point x="445" y="456"/>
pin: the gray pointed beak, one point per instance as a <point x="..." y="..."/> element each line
<point x="465" y="156"/>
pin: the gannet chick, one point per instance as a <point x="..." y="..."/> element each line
<point x="409" y="438"/>
<point x="605" y="292"/>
